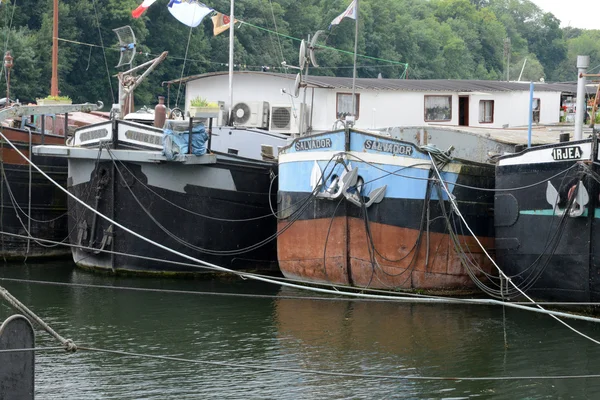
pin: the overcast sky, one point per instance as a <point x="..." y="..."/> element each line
<point x="583" y="14"/>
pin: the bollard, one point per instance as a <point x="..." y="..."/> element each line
<point x="17" y="368"/>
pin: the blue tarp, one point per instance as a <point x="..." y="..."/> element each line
<point x="175" y="142"/>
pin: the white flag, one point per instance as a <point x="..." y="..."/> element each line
<point x="349" y="13"/>
<point x="189" y="12"/>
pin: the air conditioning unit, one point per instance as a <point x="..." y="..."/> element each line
<point x="286" y="119"/>
<point x="251" y="113"/>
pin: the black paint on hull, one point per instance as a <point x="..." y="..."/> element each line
<point x="250" y="199"/>
<point x="48" y="205"/>
<point x="553" y="257"/>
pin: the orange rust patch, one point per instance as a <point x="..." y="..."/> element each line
<point x="314" y="251"/>
<point x="10" y="156"/>
<point x="15" y="135"/>
<point x="395" y="259"/>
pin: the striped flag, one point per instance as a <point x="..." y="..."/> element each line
<point x="349" y="13"/>
<point x="141" y="8"/>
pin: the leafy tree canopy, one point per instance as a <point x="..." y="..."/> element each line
<point x="436" y="39"/>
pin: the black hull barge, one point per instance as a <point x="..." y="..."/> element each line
<point x="546" y="221"/>
<point x="33" y="216"/>
<point x="213" y="206"/>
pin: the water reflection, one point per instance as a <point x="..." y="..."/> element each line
<point x="441" y="340"/>
<point x="276" y="331"/>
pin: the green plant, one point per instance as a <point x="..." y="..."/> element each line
<point x="57" y="98"/>
<point x="202" y="102"/>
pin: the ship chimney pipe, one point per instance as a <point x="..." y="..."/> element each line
<point x="583" y="63"/>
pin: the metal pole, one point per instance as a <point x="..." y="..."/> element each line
<point x="303" y="105"/>
<point x="7" y="87"/>
<point x="522" y="69"/>
<point x="231" y="28"/>
<point x="530" y="114"/>
<point x="210" y="124"/>
<point x="43" y="127"/>
<point x="354" y="64"/>
<point x="190" y="140"/>
<point x="54" y="81"/>
<point x="583" y="62"/>
<point x="66" y="126"/>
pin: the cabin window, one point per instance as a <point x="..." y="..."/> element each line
<point x="537" y="105"/>
<point x="344" y="105"/>
<point x="438" y="108"/>
<point x="486" y="111"/>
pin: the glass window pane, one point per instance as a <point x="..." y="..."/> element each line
<point x="344" y="105"/>
<point x="537" y="106"/>
<point x="438" y="108"/>
<point x="486" y="111"/>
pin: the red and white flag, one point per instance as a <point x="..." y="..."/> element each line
<point x="141" y="8"/>
<point x="349" y="13"/>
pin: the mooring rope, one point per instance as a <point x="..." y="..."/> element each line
<point x="451" y="198"/>
<point x="68" y="344"/>
<point x="339" y="289"/>
<point x="287" y="284"/>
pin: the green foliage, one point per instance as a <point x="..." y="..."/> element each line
<point x="438" y="39"/>
<point x="57" y="98"/>
<point x="202" y="102"/>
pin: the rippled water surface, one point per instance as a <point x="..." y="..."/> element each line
<point x="283" y="336"/>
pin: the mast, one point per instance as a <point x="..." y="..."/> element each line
<point x="54" y="81"/>
<point x="354" y="64"/>
<point x="231" y="27"/>
<point x="583" y="62"/>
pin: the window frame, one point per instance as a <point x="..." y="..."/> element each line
<point x="449" y="97"/>
<point x="537" y="110"/>
<point x="337" y="104"/>
<point x="493" y="104"/>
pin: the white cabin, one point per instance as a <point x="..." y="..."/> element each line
<point x="265" y="100"/>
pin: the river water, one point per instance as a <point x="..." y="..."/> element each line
<point x="303" y="348"/>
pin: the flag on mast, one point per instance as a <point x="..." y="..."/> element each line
<point x="221" y="23"/>
<point x="349" y="13"/>
<point x="141" y="8"/>
<point x="189" y="12"/>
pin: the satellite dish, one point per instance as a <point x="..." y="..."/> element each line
<point x="297" y="85"/>
<point x="126" y="44"/>
<point x="302" y="54"/>
<point x="311" y="48"/>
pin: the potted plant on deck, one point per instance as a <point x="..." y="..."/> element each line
<point x="51" y="100"/>
<point x="201" y="105"/>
